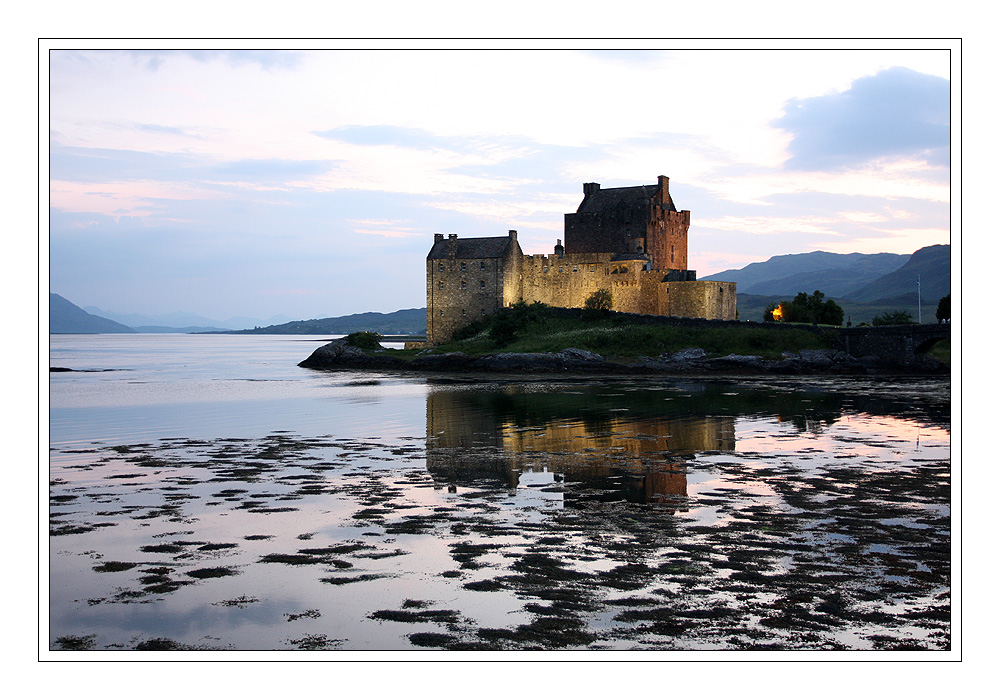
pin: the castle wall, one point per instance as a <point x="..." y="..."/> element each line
<point x="714" y="300"/>
<point x="566" y="282"/>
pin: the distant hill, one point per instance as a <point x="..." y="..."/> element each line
<point x="185" y="329"/>
<point x="183" y="322"/>
<point x="933" y="266"/>
<point x="403" y="322"/>
<point x="855" y="277"/>
<point x="67" y="317"/>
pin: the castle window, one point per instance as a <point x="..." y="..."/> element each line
<point x="482" y="312"/>
<point x="482" y="265"/>
<point x="440" y="285"/>
<point x="463" y="267"/>
<point x="592" y="268"/>
<point x="482" y="285"/>
<point x="442" y="312"/>
<point x="463" y="284"/>
<point x="545" y="268"/>
<point x="463" y="312"/>
<point x="440" y="267"/>
<point x="576" y="268"/>
<point x="560" y="269"/>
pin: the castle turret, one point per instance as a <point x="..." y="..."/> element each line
<point x="560" y="249"/>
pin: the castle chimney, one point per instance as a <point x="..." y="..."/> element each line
<point x="452" y="244"/>
<point x="590" y="188"/>
<point x="512" y="233"/>
<point x="559" y="248"/>
<point x="438" y="237"/>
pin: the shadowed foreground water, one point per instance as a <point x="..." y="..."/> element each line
<point x="657" y="514"/>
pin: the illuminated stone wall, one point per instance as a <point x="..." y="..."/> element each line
<point x="631" y="241"/>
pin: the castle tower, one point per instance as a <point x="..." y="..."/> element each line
<point x="628" y="221"/>
<point x="468" y="278"/>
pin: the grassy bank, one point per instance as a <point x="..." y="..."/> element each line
<point x="538" y="329"/>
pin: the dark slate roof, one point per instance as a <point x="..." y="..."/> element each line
<point x="472" y="248"/>
<point x="615" y="197"/>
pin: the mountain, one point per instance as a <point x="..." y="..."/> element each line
<point x="183" y="322"/>
<point x="67" y="317"/>
<point x="402" y="322"/>
<point x="837" y="274"/>
<point x="853" y="276"/>
<point x="931" y="264"/>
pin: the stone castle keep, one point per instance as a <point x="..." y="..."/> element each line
<point x="631" y="241"/>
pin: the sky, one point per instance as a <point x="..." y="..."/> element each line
<point x="309" y="182"/>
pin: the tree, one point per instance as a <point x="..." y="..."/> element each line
<point x="598" y="304"/>
<point x="807" y="309"/>
<point x="893" y="318"/>
<point x="944" y="309"/>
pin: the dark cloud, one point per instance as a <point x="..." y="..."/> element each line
<point x="895" y="113"/>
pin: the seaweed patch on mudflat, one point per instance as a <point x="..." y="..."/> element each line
<point x="319" y="544"/>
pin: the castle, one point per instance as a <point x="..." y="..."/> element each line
<point x="631" y="241"/>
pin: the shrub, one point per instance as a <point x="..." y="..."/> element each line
<point x="365" y="340"/>
<point x="597" y="305"/>
<point x="510" y="322"/>
<point x="893" y="318"/>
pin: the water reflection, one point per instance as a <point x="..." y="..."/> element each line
<point x="603" y="444"/>
<point x="623" y="441"/>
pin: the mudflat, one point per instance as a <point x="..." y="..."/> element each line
<point x="824" y="530"/>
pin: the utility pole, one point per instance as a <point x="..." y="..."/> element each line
<point x="919" y="316"/>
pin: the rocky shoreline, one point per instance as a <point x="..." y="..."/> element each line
<point x="338" y="355"/>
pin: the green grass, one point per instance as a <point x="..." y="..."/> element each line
<point x="617" y="338"/>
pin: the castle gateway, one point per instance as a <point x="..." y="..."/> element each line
<point x="631" y="241"/>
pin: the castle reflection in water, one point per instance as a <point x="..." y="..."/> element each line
<point x="603" y="444"/>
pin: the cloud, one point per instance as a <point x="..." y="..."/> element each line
<point x="896" y="113"/>
<point x="386" y="135"/>
<point x="268" y="60"/>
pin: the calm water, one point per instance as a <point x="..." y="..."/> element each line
<point x="206" y="493"/>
